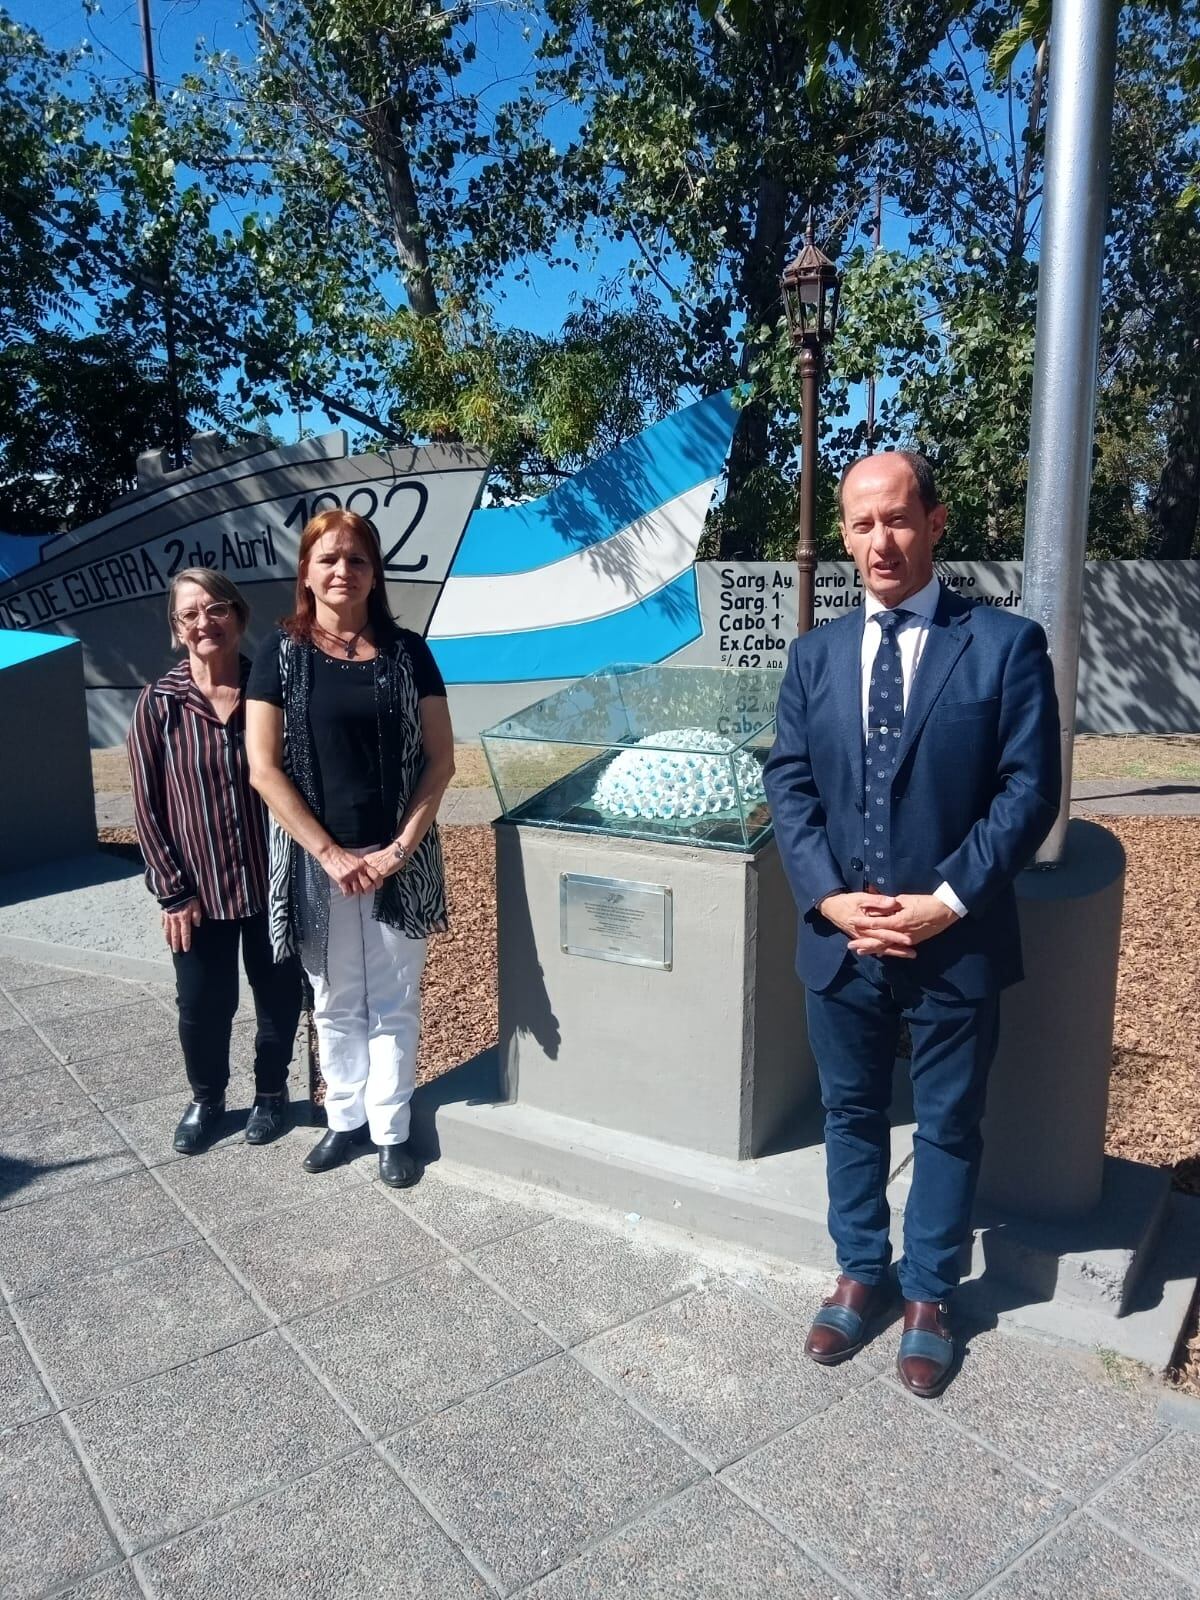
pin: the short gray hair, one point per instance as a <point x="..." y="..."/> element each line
<point x="216" y="585"/>
<point x="919" y="467"/>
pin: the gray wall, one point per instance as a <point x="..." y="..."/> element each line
<point x="1140" y="656"/>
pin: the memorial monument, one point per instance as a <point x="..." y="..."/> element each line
<point x="631" y="1057"/>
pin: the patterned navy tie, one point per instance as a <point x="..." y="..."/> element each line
<point x="885" y="715"/>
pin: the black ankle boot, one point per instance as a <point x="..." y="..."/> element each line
<point x="268" y="1118"/>
<point x="200" y="1124"/>
<point x="398" y="1167"/>
<point x="333" y="1149"/>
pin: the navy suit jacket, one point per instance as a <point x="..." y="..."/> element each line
<point x="975" y="789"/>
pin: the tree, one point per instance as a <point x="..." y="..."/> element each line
<point x="703" y="139"/>
<point x="951" y="321"/>
<point x="331" y="233"/>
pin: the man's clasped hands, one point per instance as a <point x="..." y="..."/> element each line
<point x="887" y="924"/>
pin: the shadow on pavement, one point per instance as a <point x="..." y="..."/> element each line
<point x="61" y="877"/>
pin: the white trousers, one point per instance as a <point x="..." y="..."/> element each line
<point x="367" y="1012"/>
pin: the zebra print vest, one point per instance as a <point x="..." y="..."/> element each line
<point x="413" y="900"/>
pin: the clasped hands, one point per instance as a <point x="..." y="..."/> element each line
<point x="355" y="874"/>
<point x="887" y="924"/>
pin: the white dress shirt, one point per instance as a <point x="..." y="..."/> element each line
<point x="911" y="635"/>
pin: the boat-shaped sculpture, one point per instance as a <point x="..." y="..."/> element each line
<point x="515" y="600"/>
<point x="241" y="512"/>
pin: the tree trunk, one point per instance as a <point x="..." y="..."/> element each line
<point x="1175" y="504"/>
<point x="387" y="146"/>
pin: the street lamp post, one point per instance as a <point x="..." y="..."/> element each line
<point x="810" y="289"/>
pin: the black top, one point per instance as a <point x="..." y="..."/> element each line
<point x="344" y="720"/>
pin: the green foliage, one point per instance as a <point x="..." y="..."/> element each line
<point x="75" y="413"/>
<point x="337" y="205"/>
<point x="704" y="138"/>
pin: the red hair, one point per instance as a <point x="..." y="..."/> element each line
<point x="300" y="624"/>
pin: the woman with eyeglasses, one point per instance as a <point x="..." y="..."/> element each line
<point x="203" y="833"/>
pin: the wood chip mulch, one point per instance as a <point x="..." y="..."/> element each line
<point x="458" y="992"/>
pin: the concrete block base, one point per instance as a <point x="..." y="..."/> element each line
<point x="1120" y="1278"/>
<point x="722" y="1062"/>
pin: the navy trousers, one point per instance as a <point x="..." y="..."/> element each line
<point x="853" y="1027"/>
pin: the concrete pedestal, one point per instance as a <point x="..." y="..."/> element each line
<point x="47" y="808"/>
<point x="711" y="1055"/>
<point x="1048" y="1091"/>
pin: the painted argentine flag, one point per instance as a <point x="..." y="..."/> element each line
<point x="598" y="571"/>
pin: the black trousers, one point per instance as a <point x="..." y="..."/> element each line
<point x="206" y="989"/>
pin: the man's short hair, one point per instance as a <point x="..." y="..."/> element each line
<point x="921" y="471"/>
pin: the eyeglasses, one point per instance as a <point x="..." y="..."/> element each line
<point x="217" y="612"/>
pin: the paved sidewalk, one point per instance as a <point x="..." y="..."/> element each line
<point x="1135" y="797"/>
<point x="224" y="1377"/>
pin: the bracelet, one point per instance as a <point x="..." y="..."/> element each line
<point x="401" y="852"/>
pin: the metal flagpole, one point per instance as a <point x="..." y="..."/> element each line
<point x="1083" y="43"/>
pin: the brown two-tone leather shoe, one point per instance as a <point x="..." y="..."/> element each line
<point x="926" y="1359"/>
<point x="840" y="1326"/>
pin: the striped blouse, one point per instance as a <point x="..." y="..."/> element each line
<point x="202" y="828"/>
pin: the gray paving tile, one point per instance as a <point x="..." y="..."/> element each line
<point x="463" y="1216"/>
<point x="705" y="1545"/>
<point x="456" y="1335"/>
<point x="118" y="1583"/>
<point x="314" y="1254"/>
<point x="10" y="1017"/>
<point x="1054" y="1413"/>
<point x="149" y="1125"/>
<point x="535" y="1468"/>
<point x="51" y="1532"/>
<point x="35" y="1162"/>
<point x="116" y="1327"/>
<point x="22" y="1052"/>
<point x="194" y="1442"/>
<point x="723" y="1371"/>
<point x="1085" y="1560"/>
<point x="1158" y="1501"/>
<point x="242" y="1181"/>
<point x="51" y="1095"/>
<point x="140" y="1072"/>
<point x="578" y="1279"/>
<point x="16" y="974"/>
<point x="78" y="994"/>
<point x="61" y="1239"/>
<point x="351" y="1532"/>
<point x="904" y="1506"/>
<point x="97" y="1033"/>
<point x="22" y="1397"/>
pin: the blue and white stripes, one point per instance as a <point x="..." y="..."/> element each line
<point x="600" y="570"/>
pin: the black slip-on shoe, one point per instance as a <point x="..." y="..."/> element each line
<point x="398" y="1167"/>
<point x="269" y="1117"/>
<point x="333" y="1149"/>
<point x="200" y="1124"/>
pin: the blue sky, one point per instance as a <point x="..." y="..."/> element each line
<point x="503" y="57"/>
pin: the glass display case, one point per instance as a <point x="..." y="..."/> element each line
<point x="643" y="752"/>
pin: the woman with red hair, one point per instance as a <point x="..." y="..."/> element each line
<point x="350" y="745"/>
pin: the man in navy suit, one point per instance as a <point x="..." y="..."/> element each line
<point x="916" y="769"/>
